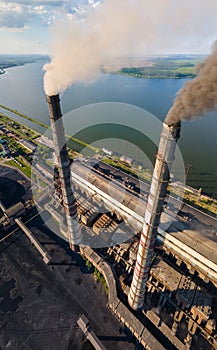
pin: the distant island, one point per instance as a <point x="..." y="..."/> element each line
<point x="158" y="67"/>
<point x="163" y="67"/>
<point x="8" y="61"/>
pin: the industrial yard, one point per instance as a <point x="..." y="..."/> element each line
<point x="78" y="264"/>
<point x="40" y="303"/>
<point x="183" y="315"/>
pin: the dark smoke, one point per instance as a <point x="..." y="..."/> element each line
<point x="199" y="95"/>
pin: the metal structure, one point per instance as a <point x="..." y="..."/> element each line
<point x="34" y="241"/>
<point x="193" y="253"/>
<point x="84" y="325"/>
<point x="160" y="179"/>
<point x="63" y="163"/>
<point x="197" y="256"/>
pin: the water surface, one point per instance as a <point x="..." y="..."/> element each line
<point x="22" y="89"/>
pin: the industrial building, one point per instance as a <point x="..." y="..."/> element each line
<point x="165" y="286"/>
<point x="161" y="284"/>
<point x="4" y="150"/>
<point x="30" y="146"/>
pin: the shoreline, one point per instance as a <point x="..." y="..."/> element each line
<point x="188" y="196"/>
<point x="44" y="126"/>
<point x="24" y="116"/>
<point x="152" y="77"/>
<point x="21" y="61"/>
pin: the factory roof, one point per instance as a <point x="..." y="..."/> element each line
<point x="166" y="274"/>
<point x="28" y="144"/>
<point x="16" y="209"/>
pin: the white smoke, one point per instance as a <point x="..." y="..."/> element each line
<point x="123" y="28"/>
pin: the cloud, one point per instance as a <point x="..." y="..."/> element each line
<point x="13" y="30"/>
<point x="19" y="13"/>
<point x="94" y="3"/>
<point x="40" y="10"/>
<point x="53" y="3"/>
<point x="13" y="15"/>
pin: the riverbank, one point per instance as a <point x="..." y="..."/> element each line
<point x="24" y="116"/>
<point x="141" y="74"/>
<point x="191" y="195"/>
<point x="10" y="61"/>
<point x="169" y="67"/>
<point x="22" y="89"/>
<point x="72" y="140"/>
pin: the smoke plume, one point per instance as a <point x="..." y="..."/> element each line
<point x="81" y="47"/>
<point x="199" y="95"/>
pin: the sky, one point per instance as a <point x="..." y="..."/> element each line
<point x="25" y="25"/>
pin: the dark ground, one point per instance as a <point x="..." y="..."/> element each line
<point x="13" y="187"/>
<point x="39" y="304"/>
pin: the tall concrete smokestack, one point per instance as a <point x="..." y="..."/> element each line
<point x="160" y="179"/>
<point x="63" y="161"/>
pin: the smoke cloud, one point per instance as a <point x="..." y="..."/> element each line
<point x="124" y="28"/>
<point x="199" y="95"/>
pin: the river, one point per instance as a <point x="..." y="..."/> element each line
<point x="22" y="89"/>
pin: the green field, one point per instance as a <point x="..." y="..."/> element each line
<point x="25" y="168"/>
<point x="164" y="68"/>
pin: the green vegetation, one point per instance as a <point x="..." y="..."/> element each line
<point x="88" y="264"/>
<point x="162" y="68"/>
<point x="24" y="116"/>
<point x="97" y="275"/>
<point x="44" y="152"/>
<point x="19" y="129"/>
<point x="8" y="61"/>
<point x="78" y="145"/>
<point x="203" y="203"/>
<point x="25" y="168"/>
<point x="73" y="143"/>
<point x="99" y="278"/>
